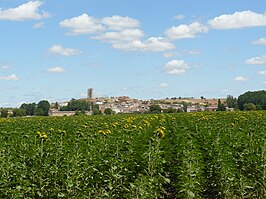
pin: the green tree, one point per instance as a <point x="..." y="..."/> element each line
<point x="19" y="112"/>
<point x="4" y="113"/>
<point x="82" y="112"/>
<point x="249" y="107"/>
<point x="76" y="105"/>
<point x="221" y="106"/>
<point x="155" y="108"/>
<point x="96" y="110"/>
<point x="30" y="108"/>
<point x="43" y="108"/>
<point x="39" y="112"/>
<point x="108" y="111"/>
<point x="255" y="97"/>
<point x="231" y="102"/>
<point x="185" y="105"/>
<point x="169" y="110"/>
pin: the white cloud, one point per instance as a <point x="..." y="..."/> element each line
<point x="26" y="11"/>
<point x="179" y="17"/>
<point x="82" y="24"/>
<point x="185" y="31"/>
<point x="56" y="70"/>
<point x="123" y="35"/>
<point x="170" y="54"/>
<point x="119" y="23"/>
<point x="39" y="25"/>
<point x="10" y="77"/>
<point x="176" y="67"/>
<point x="193" y="52"/>
<point x="261" y="41"/>
<point x="181" y="53"/>
<point x="262" y="72"/>
<point x="242" y="19"/>
<point x="122" y="32"/>
<point x="163" y="85"/>
<point x="240" y="78"/>
<point x="257" y="60"/>
<point x="151" y="44"/>
<point x="5" y="67"/>
<point x="59" y="50"/>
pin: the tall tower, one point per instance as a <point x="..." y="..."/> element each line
<point x="90" y="93"/>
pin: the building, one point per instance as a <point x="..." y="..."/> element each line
<point x="90" y="93"/>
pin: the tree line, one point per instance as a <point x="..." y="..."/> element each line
<point x="30" y="109"/>
<point x="251" y="100"/>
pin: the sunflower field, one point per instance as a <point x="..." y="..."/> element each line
<point x="182" y="155"/>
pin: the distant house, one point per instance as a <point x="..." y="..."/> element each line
<point x="54" y="112"/>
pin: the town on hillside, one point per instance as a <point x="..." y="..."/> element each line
<point x="251" y="100"/>
<point x="125" y="104"/>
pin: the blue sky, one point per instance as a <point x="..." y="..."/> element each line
<point x="56" y="50"/>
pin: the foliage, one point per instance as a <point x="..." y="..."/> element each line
<point x="221" y="106"/>
<point x="19" y="112"/>
<point x="108" y="111"/>
<point x="4" y="113"/>
<point x="43" y="108"/>
<point x="231" y="102"/>
<point x="30" y="108"/>
<point x="76" y="105"/>
<point x="78" y="113"/>
<point x="170" y="110"/>
<point x="96" y="110"/>
<point x="185" y="155"/>
<point x="249" y="107"/>
<point x="258" y="98"/>
<point x="155" y="108"/>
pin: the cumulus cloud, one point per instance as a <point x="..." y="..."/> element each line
<point x="122" y="32"/>
<point x="170" y="54"/>
<point x="119" y="23"/>
<point x="82" y="24"/>
<point x="242" y="19"/>
<point x="151" y="44"/>
<point x="176" y="67"/>
<point x="261" y="41"/>
<point x="121" y="36"/>
<point x="257" y="60"/>
<point x="163" y="85"/>
<point x="186" y="31"/>
<point x="240" y="79"/>
<point x="59" y="50"/>
<point x="56" y="70"/>
<point x="262" y="72"/>
<point x="26" y="11"/>
<point x="12" y="77"/>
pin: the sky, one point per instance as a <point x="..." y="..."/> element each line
<point x="57" y="49"/>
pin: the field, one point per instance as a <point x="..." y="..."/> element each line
<point x="185" y="155"/>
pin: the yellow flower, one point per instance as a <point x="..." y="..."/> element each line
<point x="42" y="136"/>
<point x="160" y="132"/>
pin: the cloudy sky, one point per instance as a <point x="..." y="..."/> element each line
<point x="56" y="50"/>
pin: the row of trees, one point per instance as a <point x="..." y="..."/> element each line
<point x="251" y="100"/>
<point x="31" y="109"/>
